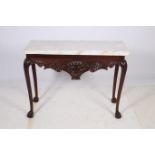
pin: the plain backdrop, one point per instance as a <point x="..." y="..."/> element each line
<point x="81" y="12"/>
<point x="140" y="41"/>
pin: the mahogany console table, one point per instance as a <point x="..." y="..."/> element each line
<point x="75" y="57"/>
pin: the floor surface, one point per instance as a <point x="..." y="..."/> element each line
<point x="76" y="104"/>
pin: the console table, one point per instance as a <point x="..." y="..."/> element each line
<point x="75" y="58"/>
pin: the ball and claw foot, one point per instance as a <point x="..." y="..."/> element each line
<point x="118" y="115"/>
<point x="35" y="99"/>
<point x="30" y="114"/>
<point x="113" y="100"/>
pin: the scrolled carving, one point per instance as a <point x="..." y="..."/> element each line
<point x="27" y="63"/>
<point x="97" y="65"/>
<point x="75" y="67"/>
<point x="40" y="63"/>
<point x="55" y="65"/>
<point x="123" y="64"/>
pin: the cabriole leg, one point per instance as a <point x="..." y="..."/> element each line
<point x="35" y="99"/>
<point x="113" y="100"/>
<point x="123" y="66"/>
<point x="27" y="64"/>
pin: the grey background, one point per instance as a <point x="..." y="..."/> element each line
<point x="140" y="41"/>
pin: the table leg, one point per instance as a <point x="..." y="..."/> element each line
<point x="113" y="100"/>
<point x="123" y="66"/>
<point x="35" y="99"/>
<point x="28" y="82"/>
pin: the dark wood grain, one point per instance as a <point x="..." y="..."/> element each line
<point x="113" y="100"/>
<point x="27" y="64"/>
<point x="35" y="99"/>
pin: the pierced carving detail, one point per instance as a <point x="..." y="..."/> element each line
<point x="75" y="67"/>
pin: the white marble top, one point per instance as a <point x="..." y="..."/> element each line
<point x="111" y="48"/>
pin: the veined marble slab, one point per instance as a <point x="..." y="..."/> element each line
<point x="111" y="48"/>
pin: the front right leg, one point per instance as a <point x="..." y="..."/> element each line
<point x="27" y="64"/>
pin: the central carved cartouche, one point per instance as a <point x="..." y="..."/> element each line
<point x="76" y="68"/>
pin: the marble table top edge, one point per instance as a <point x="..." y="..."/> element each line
<point x="77" y="47"/>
